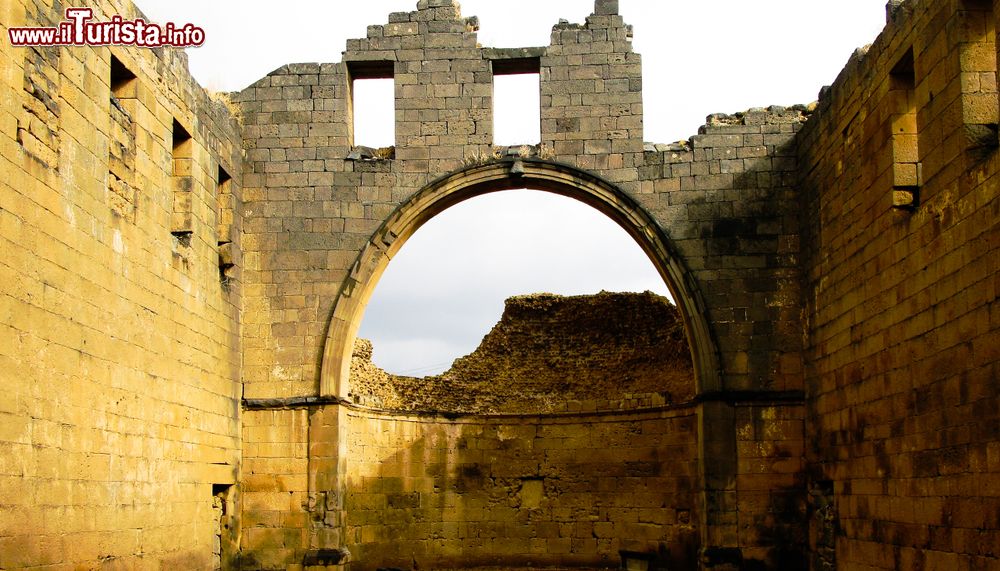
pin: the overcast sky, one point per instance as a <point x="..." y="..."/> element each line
<point x="445" y="288"/>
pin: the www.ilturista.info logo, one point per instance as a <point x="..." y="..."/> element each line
<point x="78" y="29"/>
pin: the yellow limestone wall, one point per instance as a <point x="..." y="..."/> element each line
<point x="118" y="340"/>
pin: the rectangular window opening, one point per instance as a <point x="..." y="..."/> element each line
<point x="182" y="144"/>
<point x="902" y="78"/>
<point x="905" y="135"/>
<point x="222" y="177"/>
<point x="373" y="105"/>
<point x="516" y="102"/>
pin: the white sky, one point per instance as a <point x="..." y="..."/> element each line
<point x="446" y="287"/>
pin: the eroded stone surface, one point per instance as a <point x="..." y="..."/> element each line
<point x="550" y="353"/>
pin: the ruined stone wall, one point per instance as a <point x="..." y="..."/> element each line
<point x="901" y="224"/>
<point x="469" y="488"/>
<point x="838" y="270"/>
<point x="319" y="218"/>
<point x="725" y="199"/>
<point x="313" y="204"/>
<point x="514" y="491"/>
<point x="119" y="341"/>
<point x="591" y="96"/>
<point x="550" y="353"/>
<point x="728" y="199"/>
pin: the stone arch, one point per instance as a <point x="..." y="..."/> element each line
<point x="501" y="175"/>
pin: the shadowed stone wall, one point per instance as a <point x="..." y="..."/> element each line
<point x="902" y="318"/>
<point x="520" y="491"/>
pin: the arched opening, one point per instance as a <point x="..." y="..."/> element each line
<point x="483" y="298"/>
<point x="505" y="175"/>
<point x="450" y="283"/>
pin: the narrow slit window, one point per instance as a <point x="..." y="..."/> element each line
<point x="225" y="220"/>
<point x="224" y="199"/>
<point x="373" y="104"/>
<point x="903" y="124"/>
<point x="181" y="154"/>
<point x="516" y="102"/>
<point x="182" y="223"/>
<point x="122" y="109"/>
<point x="222" y="523"/>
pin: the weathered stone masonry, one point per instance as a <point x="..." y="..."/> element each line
<point x="183" y="276"/>
<point x="904" y="325"/>
<point x="725" y="205"/>
<point x="119" y="343"/>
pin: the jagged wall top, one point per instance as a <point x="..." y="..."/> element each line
<point x="589" y="80"/>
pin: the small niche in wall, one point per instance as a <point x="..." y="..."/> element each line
<point x="123" y="81"/>
<point x="182" y="223"/>
<point x="516" y="102"/>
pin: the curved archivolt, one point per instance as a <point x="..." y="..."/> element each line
<point x="507" y="175"/>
